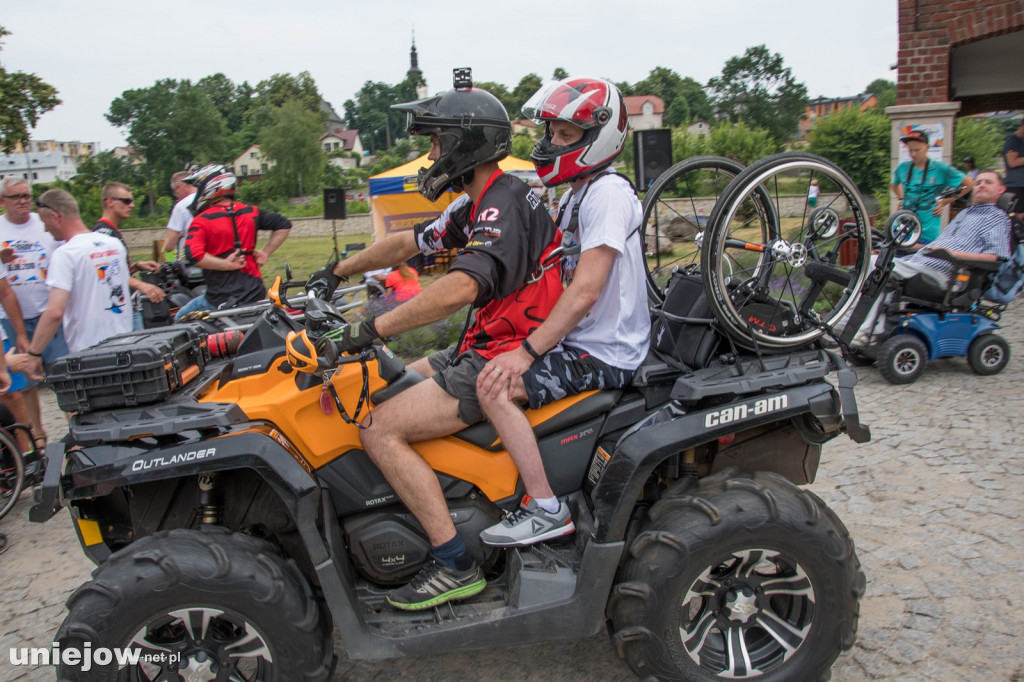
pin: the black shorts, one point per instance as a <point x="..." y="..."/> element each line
<point x="570" y="371"/>
<point x="456" y="374"/>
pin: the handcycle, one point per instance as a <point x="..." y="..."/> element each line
<point x="17" y="471"/>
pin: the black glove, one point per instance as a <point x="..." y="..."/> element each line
<point x="354" y="337"/>
<point x="322" y="283"/>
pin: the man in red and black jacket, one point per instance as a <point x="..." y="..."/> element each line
<point x="504" y="234"/>
<point x="222" y="241"/>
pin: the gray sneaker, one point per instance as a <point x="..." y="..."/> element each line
<point x="529" y="524"/>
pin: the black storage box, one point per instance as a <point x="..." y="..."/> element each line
<point x="129" y="369"/>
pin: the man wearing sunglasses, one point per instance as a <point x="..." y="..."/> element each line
<point x="117" y="206"/>
<point x="88" y="279"/>
<point x="26" y="251"/>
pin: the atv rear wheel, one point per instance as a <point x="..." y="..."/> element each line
<point x="206" y="605"/>
<point x="745" y="577"/>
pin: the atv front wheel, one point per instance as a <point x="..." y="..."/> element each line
<point x="745" y="577"/>
<point x="205" y="605"/>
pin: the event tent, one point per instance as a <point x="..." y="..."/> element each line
<point x="396" y="204"/>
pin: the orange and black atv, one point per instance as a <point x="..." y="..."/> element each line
<point x="236" y="521"/>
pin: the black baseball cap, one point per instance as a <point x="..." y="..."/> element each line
<point x="915" y="136"/>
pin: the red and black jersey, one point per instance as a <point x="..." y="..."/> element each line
<point x="219" y="231"/>
<point x="104" y="227"/>
<point x="503" y="240"/>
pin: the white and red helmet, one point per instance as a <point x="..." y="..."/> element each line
<point x="212" y="183"/>
<point x="593" y="104"/>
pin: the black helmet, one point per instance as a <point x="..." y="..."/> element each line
<point x="472" y="127"/>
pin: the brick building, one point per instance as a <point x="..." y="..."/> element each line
<point x="956" y="57"/>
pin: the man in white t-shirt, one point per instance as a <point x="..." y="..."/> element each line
<point x="181" y="216"/>
<point x="26" y="249"/>
<point x="88" y="280"/>
<point x="598" y="332"/>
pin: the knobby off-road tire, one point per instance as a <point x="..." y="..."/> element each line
<point x="744" y="576"/>
<point x="229" y="605"/>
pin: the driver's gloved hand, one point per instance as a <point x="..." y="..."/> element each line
<point x="354" y="337"/>
<point x="322" y="283"/>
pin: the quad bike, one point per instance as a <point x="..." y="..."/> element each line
<point x="180" y="283"/>
<point x="238" y="522"/>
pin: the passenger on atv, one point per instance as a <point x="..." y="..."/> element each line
<point x="504" y="235"/>
<point x="979" y="234"/>
<point x="598" y="332"/>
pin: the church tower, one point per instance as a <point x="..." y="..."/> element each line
<point x="414" y="70"/>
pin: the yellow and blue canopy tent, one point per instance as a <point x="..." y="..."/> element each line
<point x="396" y="204"/>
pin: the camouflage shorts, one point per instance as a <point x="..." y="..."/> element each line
<point x="570" y="371"/>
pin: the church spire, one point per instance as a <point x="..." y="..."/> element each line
<point x="415" y="73"/>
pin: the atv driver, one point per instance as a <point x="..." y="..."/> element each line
<point x="504" y="234"/>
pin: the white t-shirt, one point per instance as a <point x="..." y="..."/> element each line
<point x="3" y="273"/>
<point x="93" y="269"/>
<point x="33" y="247"/>
<point x="617" y="329"/>
<point x="180" y="219"/>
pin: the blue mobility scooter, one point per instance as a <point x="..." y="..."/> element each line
<point x="926" y="322"/>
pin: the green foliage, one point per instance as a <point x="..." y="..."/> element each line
<point x="104" y="167"/>
<point x="559" y="74"/>
<point x="371" y="114"/>
<point x="292" y="142"/>
<point x="171" y="125"/>
<point x="686" y="145"/>
<point x="522" y="144"/>
<point x="884" y="91"/>
<point x="980" y="138"/>
<point x="858" y="143"/>
<point x="742" y="143"/>
<point x="761" y="91"/>
<point x="528" y="85"/>
<point x="24" y="97"/>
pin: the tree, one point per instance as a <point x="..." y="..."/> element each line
<point x="559" y="74"/>
<point x="678" y="113"/>
<point x="522" y="144"/>
<point x="528" y="85"/>
<point x="980" y="138"/>
<point x="760" y="90"/>
<point x="104" y="167"/>
<point x="662" y="82"/>
<point x="170" y="125"/>
<point x="371" y="114"/>
<point x="24" y="97"/>
<point x="292" y="142"/>
<point x="283" y="87"/>
<point x="499" y="91"/>
<point x="697" y="99"/>
<point x="884" y="91"/>
<point x="858" y="143"/>
<point x="742" y="143"/>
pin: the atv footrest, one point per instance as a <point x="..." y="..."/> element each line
<point x="753" y="375"/>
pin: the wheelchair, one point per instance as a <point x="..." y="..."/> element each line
<point x="924" y="321"/>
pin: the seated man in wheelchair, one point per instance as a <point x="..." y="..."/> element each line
<point x="978" y="235"/>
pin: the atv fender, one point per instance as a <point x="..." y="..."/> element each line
<point x="672" y="430"/>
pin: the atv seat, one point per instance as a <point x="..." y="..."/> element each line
<point x="563" y="414"/>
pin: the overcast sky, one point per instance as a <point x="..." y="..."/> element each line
<point x="94" y="50"/>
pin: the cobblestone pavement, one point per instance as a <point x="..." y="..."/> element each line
<point x="933" y="502"/>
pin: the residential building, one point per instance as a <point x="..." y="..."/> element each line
<point x="644" y="111"/>
<point x="250" y="164"/>
<point x="78" y="151"/>
<point x="700" y="128"/>
<point x="38" y="167"/>
<point x="521" y="124"/>
<point x="823" y="106"/>
<point x="343" y="140"/>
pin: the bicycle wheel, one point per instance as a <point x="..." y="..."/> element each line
<point x="12" y="473"/>
<point x="775" y="278"/>
<point x="676" y="210"/>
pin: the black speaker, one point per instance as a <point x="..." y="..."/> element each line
<point x="334" y="204"/>
<point x="652" y="155"/>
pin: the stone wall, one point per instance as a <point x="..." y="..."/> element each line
<point x="143" y="238"/>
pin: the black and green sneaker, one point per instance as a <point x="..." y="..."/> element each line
<point x="436" y="584"/>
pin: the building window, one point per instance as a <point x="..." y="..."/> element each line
<point x="327" y="146"/>
<point x="335" y="145"/>
<point x="245" y="171"/>
<point x="252" y="155"/>
<point x="263" y="168"/>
